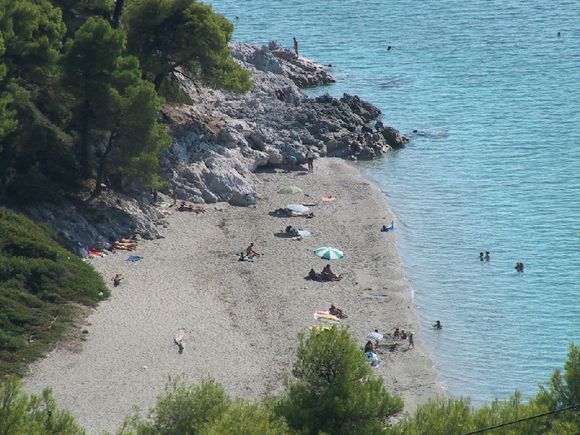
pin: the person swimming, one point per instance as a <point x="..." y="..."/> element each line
<point x="438" y="325"/>
<point x="519" y="266"/>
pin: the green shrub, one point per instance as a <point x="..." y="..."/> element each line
<point x="39" y="279"/>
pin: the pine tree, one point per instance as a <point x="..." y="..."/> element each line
<point x="168" y="34"/>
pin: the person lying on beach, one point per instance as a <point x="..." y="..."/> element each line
<point x="125" y="245"/>
<point x="300" y="214"/>
<point x="250" y="251"/>
<point x="189" y="207"/>
<point x="328" y="198"/>
<point x="337" y="312"/>
<point x="386" y="229"/>
<point x="329" y="275"/>
<point x="292" y="231"/>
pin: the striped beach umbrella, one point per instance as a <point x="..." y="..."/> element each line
<point x="328" y="253"/>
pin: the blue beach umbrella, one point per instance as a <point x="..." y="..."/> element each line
<point x="328" y="253"/>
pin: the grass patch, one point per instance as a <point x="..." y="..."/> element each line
<point x="39" y="282"/>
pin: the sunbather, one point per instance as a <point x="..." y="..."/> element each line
<point x="117" y="280"/>
<point x="250" y="251"/>
<point x="329" y="275"/>
<point x="369" y="347"/>
<point x="300" y="214"/>
<point x="292" y="231"/>
<point x="312" y="275"/>
<point x="337" y="312"/>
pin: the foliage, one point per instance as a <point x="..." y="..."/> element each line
<point x="32" y="115"/>
<point x="247" y="418"/>
<point x="32" y="415"/>
<point x="334" y="389"/>
<point x="113" y="101"/>
<point x="182" y="410"/>
<point x="204" y="409"/>
<point x="456" y="416"/>
<point x="38" y="279"/>
<point x="168" y="34"/>
<point x="563" y="389"/>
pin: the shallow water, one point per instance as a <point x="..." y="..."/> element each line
<point x="495" y="95"/>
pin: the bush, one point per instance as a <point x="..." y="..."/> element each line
<point x="38" y="280"/>
<point x="334" y="389"/>
<point x="32" y="415"/>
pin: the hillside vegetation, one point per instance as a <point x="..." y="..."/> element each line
<point x="39" y="281"/>
<point x="332" y="390"/>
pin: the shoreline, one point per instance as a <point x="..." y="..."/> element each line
<point x="241" y="318"/>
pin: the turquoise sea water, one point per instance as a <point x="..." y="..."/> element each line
<point x="497" y="93"/>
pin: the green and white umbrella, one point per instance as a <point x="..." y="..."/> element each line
<point x="328" y="253"/>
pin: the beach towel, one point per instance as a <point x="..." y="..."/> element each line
<point x="373" y="359"/>
<point x="95" y="253"/>
<point x="304" y="233"/>
<point x="134" y="258"/>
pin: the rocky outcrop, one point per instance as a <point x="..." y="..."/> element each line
<point x="222" y="138"/>
<point x="276" y="59"/>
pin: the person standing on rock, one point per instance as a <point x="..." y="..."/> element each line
<point x="310" y="156"/>
<point x="295" y="46"/>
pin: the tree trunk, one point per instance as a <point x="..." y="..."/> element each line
<point x="159" y="80"/>
<point x="103" y="165"/>
<point x="116" y="19"/>
<point x="85" y="158"/>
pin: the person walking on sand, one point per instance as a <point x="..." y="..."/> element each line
<point x="411" y="342"/>
<point x="310" y="156"/>
<point x="295" y="46"/>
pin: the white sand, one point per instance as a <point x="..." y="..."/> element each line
<point x="241" y="318"/>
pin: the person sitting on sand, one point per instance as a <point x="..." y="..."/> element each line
<point x="397" y="333"/>
<point x="117" y="280"/>
<point x="312" y="275"/>
<point x="403" y="334"/>
<point x="250" y="251"/>
<point x="369" y="347"/>
<point x="329" y="275"/>
<point x="292" y="231"/>
<point x="438" y="325"/>
<point x="337" y="312"/>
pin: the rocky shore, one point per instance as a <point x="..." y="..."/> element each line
<point x="221" y="139"/>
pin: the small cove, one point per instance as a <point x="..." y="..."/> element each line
<point x="494" y="94"/>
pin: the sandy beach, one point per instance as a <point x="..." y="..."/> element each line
<point x="241" y="319"/>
